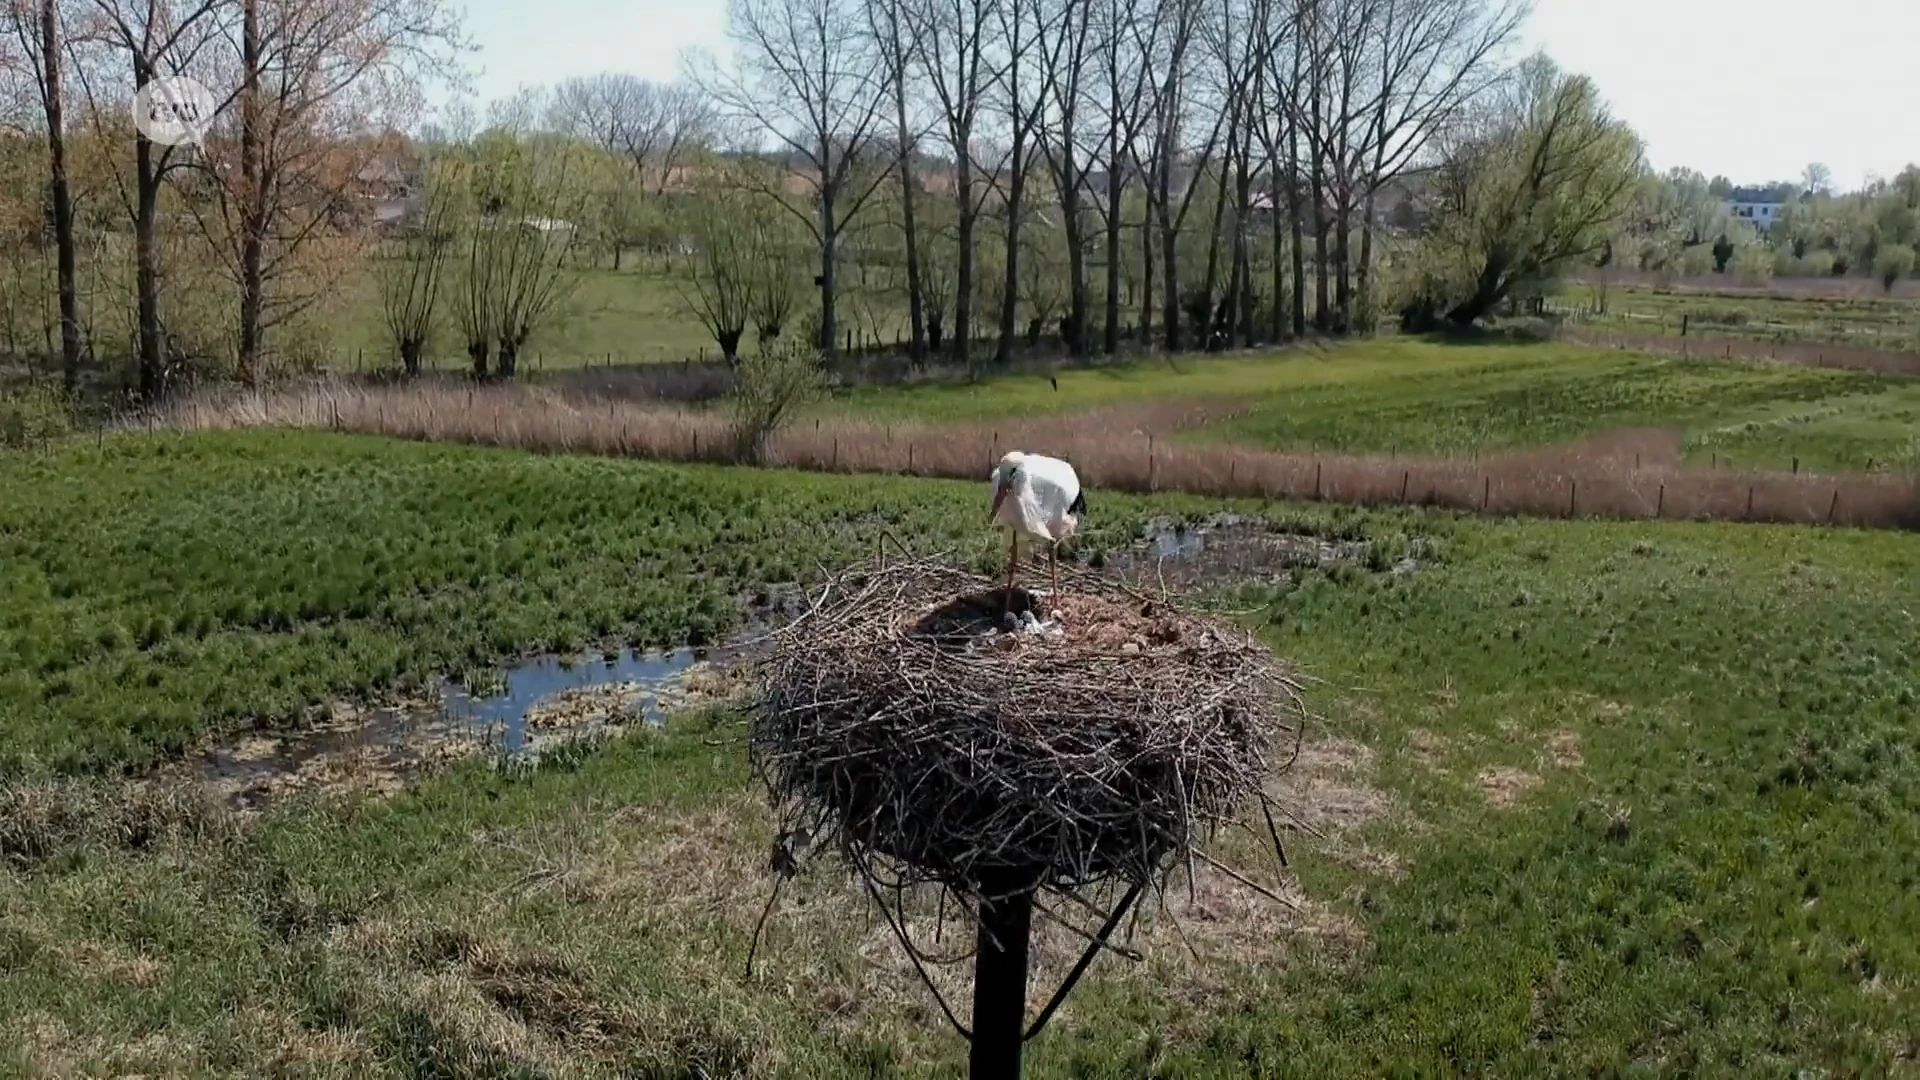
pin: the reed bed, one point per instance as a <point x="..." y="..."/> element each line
<point x="1630" y="475"/>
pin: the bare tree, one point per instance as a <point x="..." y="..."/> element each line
<point x="1125" y="71"/>
<point x="39" y="32"/>
<point x="313" y="75"/>
<point x="810" y="78"/>
<point x="1066" y="48"/>
<point x="516" y="254"/>
<point x="723" y="271"/>
<point x="653" y="125"/>
<point x="954" y="39"/>
<point x="1434" y="57"/>
<point x="147" y="40"/>
<point x="1020" y="28"/>
<point x="1174" y="170"/>
<point x="411" y="275"/>
<point x="887" y="19"/>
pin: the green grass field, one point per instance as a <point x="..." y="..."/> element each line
<point x="1876" y="323"/>
<point x="635" y="315"/>
<point x="1417" y="396"/>
<point x="1604" y="799"/>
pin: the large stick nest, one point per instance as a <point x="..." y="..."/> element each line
<point x="905" y="721"/>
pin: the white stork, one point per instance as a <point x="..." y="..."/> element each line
<point x="1039" y="497"/>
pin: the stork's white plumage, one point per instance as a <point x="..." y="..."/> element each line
<point x="1040" y="498"/>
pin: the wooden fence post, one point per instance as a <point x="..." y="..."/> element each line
<point x="909" y="458"/>
<point x="835" y="467"/>
<point x="1405" y="479"/>
<point x="1660" y="508"/>
<point x="1749" y="502"/>
<point x="1796" y="466"/>
<point x="1833" y="507"/>
<point x="1573" y="498"/>
<point x="1486" y="493"/>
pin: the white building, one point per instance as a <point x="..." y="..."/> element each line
<point x="1762" y="208"/>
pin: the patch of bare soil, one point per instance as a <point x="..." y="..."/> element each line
<point x="1507" y="787"/>
<point x="1430" y="749"/>
<point x="1565" y="751"/>
<point x="353" y="750"/>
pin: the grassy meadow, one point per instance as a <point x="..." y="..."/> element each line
<point x="1418" y="396"/>
<point x="1584" y="798"/>
<point x="1869" y="322"/>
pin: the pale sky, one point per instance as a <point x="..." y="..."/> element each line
<point x="1752" y="89"/>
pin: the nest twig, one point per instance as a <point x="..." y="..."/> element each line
<point x="904" y="724"/>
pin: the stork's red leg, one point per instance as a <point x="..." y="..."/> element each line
<point x="1013" y="561"/>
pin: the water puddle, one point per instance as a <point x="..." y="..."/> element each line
<point x="553" y="694"/>
<point x="1228" y="549"/>
<point x="542" y="701"/>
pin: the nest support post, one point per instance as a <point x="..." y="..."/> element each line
<point x="1000" y="986"/>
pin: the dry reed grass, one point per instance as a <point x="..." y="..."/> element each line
<point x="1627" y="475"/>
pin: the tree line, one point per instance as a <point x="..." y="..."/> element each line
<point x="992" y="175"/>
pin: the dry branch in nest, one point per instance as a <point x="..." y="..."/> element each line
<point x="904" y="724"/>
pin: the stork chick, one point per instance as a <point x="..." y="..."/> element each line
<point x="1040" y="498"/>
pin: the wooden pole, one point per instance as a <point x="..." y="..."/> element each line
<point x="1000" y="988"/>
<point x="1660" y="509"/>
<point x="1573" y="498"/>
<point x="1833" y="507"/>
<point x="1749" y="502"/>
<point x="1486" y="493"/>
<point x="1316" y="480"/>
<point x="1405" y="479"/>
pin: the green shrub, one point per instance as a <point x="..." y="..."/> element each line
<point x="770" y="385"/>
<point x="1894" y="262"/>
<point x="31" y="415"/>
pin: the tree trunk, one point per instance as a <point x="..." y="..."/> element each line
<point x="1489" y="290"/>
<point x="1204" y="332"/>
<point x="253" y="208"/>
<point x="477" y="353"/>
<point x="1242" y="256"/>
<point x="1147" y="299"/>
<point x="1077" y="298"/>
<point x="62" y="194"/>
<point x="963" y="266"/>
<point x="1293" y="205"/>
<point x="1010" y="296"/>
<point x="1343" y="267"/>
<point x="1279" y="315"/>
<point x="1114" y="180"/>
<point x="410" y="350"/>
<point x="829" y="244"/>
<point x="1322" y="298"/>
<point x="146" y="274"/>
<point x="917" y="346"/>
<point x="1365" y="291"/>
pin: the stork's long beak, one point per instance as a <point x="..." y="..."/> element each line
<point x="999" y="496"/>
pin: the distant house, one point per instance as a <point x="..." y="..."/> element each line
<point x="388" y="193"/>
<point x="1761" y="207"/>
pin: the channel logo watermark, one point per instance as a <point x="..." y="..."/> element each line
<point x="174" y="110"/>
